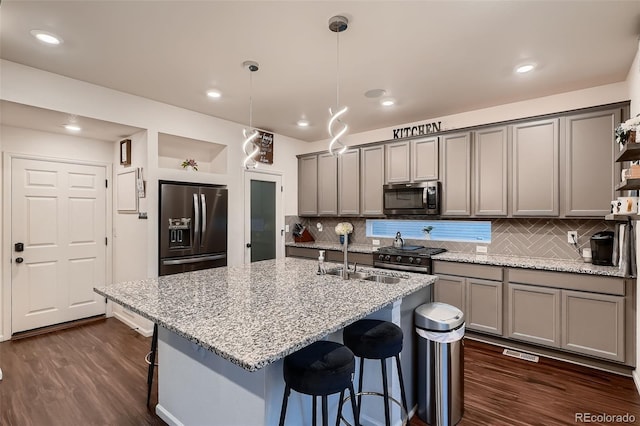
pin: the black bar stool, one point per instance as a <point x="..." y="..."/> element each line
<point x="320" y="369"/>
<point x="151" y="360"/>
<point x="376" y="339"/>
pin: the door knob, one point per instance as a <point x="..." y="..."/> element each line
<point x="19" y="260"/>
<point x="248" y="245"/>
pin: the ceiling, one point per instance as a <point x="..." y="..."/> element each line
<point x="434" y="57"/>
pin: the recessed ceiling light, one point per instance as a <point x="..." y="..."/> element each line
<point x="215" y="94"/>
<point x="72" y="127"/>
<point x="374" y="93"/>
<point x="303" y="123"/>
<point x="522" y="69"/>
<point x="387" y="102"/>
<point x="46" y="37"/>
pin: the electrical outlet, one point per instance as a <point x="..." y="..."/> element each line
<point x="286" y="228"/>
<point x="572" y="237"/>
<point x="481" y="249"/>
<point x="375" y="242"/>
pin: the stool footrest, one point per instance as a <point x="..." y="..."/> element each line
<point x="147" y="359"/>
<point x="403" y="413"/>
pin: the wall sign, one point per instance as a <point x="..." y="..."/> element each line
<point x="264" y="142"/>
<point x="125" y="152"/>
<point x="421" y="129"/>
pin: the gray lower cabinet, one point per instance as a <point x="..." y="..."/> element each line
<point x="585" y="314"/>
<point x="484" y="305"/>
<point x="372" y="172"/>
<point x="327" y="185"/>
<point x="477" y="293"/>
<point x="593" y="324"/>
<point x="308" y="185"/>
<point x="534" y="314"/>
<point x="535" y="168"/>
<point x="455" y="160"/>
<point x="349" y="183"/>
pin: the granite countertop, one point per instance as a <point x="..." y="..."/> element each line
<point x="543" y="264"/>
<point x="255" y="314"/>
<point x="321" y="245"/>
<point x="558" y="265"/>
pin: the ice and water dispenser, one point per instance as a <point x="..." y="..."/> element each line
<point x="179" y="233"/>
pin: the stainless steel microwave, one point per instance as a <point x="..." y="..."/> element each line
<point x="421" y="198"/>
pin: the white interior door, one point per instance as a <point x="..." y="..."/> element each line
<point x="58" y="214"/>
<point x="264" y="217"/>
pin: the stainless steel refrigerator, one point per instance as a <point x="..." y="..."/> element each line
<point x="193" y="227"/>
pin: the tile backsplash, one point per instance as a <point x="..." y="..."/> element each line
<point x="535" y="237"/>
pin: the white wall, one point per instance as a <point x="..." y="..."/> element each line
<point x="600" y="95"/>
<point x="633" y="79"/>
<point x="30" y="86"/>
<point x="14" y="140"/>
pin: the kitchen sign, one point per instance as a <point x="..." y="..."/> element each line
<point x="264" y="142"/>
<point x="421" y="129"/>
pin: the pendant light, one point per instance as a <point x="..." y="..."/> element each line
<point x="337" y="128"/>
<point x="249" y="148"/>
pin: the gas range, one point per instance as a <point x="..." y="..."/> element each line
<point x="407" y="258"/>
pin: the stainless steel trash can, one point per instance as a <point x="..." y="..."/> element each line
<point x="440" y="329"/>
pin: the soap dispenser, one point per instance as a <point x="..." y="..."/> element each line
<point x="321" y="270"/>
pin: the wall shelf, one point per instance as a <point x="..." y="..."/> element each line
<point x="622" y="217"/>
<point x="173" y="150"/>
<point x="628" y="185"/>
<point x="631" y="152"/>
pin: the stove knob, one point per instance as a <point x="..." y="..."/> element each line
<point x="387" y="258"/>
<point x="381" y="257"/>
<point x="411" y="260"/>
<point x="399" y="259"/>
<point x="418" y="261"/>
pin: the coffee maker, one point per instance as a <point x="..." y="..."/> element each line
<point x="602" y="248"/>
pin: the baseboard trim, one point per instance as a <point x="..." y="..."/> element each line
<point x="144" y="331"/>
<point x="636" y="379"/>
<point x="167" y="416"/>
<point x="57" y="327"/>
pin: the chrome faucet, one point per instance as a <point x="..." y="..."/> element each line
<point x="345" y="267"/>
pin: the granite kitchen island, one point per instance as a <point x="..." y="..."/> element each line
<point x="224" y="332"/>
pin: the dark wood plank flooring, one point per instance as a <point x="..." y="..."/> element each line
<point x="95" y="375"/>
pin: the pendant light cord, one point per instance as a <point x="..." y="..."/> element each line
<point x="337" y="70"/>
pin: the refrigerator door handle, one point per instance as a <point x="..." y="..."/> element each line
<point x="193" y="259"/>
<point x="204" y="219"/>
<point x="196" y="209"/>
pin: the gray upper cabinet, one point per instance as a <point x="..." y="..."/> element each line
<point x="535" y="163"/>
<point x="588" y="179"/>
<point x="424" y="159"/>
<point x="456" y="174"/>
<point x="349" y="183"/>
<point x="397" y="164"/>
<point x="490" y="172"/>
<point x="308" y="185"/>
<point x="327" y="185"/>
<point x="372" y="172"/>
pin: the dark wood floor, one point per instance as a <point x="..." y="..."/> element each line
<point x="95" y="375"/>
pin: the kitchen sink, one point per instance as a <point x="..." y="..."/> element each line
<point x="367" y="276"/>
<point x="383" y="279"/>
<point x="352" y="275"/>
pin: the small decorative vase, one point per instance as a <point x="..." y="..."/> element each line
<point x="427" y="236"/>
<point x="632" y="137"/>
<point x="189" y="168"/>
<point x="342" y="239"/>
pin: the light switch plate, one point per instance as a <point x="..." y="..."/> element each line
<point x="286" y="228"/>
<point x="375" y="242"/>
